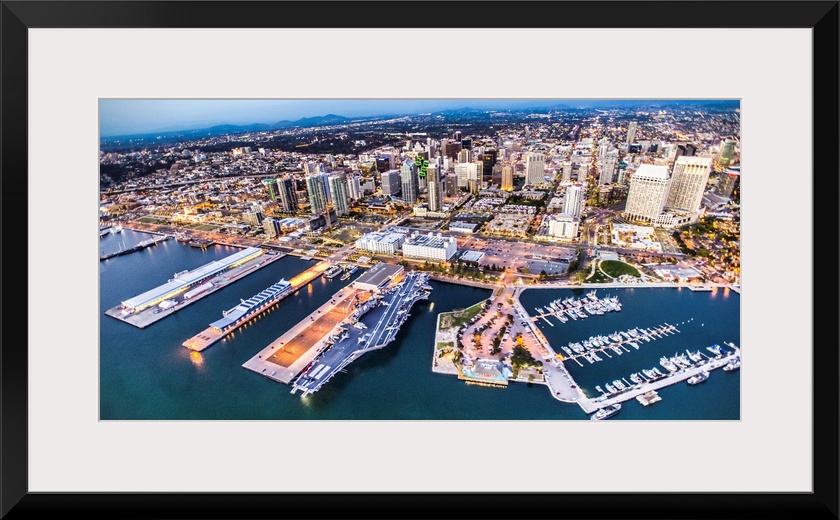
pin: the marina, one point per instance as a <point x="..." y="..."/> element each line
<point x="155" y="304"/>
<point x="577" y="308"/>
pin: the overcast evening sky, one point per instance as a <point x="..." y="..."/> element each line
<point x="137" y="116"/>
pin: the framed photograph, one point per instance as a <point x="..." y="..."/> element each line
<point x="349" y="254"/>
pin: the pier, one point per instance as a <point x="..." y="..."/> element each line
<point x="162" y="301"/>
<point x="590" y="405"/>
<point x="142" y="245"/>
<point x="211" y="335"/>
<point x="291" y="353"/>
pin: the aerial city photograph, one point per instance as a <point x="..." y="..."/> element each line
<point x="419" y="259"/>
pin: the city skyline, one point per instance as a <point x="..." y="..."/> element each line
<point x="135" y="117"/>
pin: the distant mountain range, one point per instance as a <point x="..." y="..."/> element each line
<point x="216" y="130"/>
<point x="333" y="119"/>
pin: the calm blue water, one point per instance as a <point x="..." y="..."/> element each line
<point x="146" y="374"/>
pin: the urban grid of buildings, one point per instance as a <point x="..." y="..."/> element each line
<point x="537" y="178"/>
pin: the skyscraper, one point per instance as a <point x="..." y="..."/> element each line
<point x="573" y="203"/>
<point x="631" y="133"/>
<point x="608" y="169"/>
<point x="435" y="193"/>
<point x="271" y="186"/>
<point x="316" y="189"/>
<point x="451" y="185"/>
<point x="408" y="178"/>
<point x="354" y="187"/>
<point x="488" y="158"/>
<point x="567" y="171"/>
<point x="647" y="193"/>
<point x="391" y="182"/>
<point x="727" y="150"/>
<point x="535" y="168"/>
<point x="464" y="156"/>
<point x="288" y="194"/>
<point x="688" y="182"/>
<point x="507" y="177"/>
<point x="727" y="182"/>
<point x="338" y="188"/>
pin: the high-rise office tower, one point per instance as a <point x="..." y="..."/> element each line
<point x="451" y="185"/>
<point x="488" y="158"/>
<point x="271" y="186"/>
<point x="567" y="171"/>
<point x="647" y="193"/>
<point x="507" y="177"/>
<point x="408" y="179"/>
<point x="391" y="183"/>
<point x="608" y="169"/>
<point x="631" y="132"/>
<point x="354" y="187"/>
<point x="316" y="189"/>
<point x="535" y="168"/>
<point x="288" y="194"/>
<point x="583" y="172"/>
<point x="573" y="203"/>
<point x="466" y="143"/>
<point x="338" y="188"/>
<point x="727" y="182"/>
<point x="688" y="183"/>
<point x="457" y="136"/>
<point x="435" y="193"/>
<point x="464" y="156"/>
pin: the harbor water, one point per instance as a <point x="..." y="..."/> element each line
<point x="146" y="374"/>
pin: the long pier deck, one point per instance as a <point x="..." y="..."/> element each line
<point x="211" y="335"/>
<point x="591" y="405"/>
<point x="290" y="354"/>
<point x="374" y="330"/>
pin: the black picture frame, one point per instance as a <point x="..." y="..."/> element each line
<point x="19" y="16"/>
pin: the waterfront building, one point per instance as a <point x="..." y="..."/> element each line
<point x="288" y="194"/>
<point x="253" y="218"/>
<point x="391" y="183"/>
<point x="647" y="193"/>
<point x="563" y="226"/>
<point x="340" y="196"/>
<point x="535" y="168"/>
<point x="408" y="178"/>
<point x="271" y="227"/>
<point x="183" y="281"/>
<point x="381" y="243"/>
<point x="316" y="189"/>
<point x="378" y="277"/>
<point x="688" y="183"/>
<point x="432" y="247"/>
